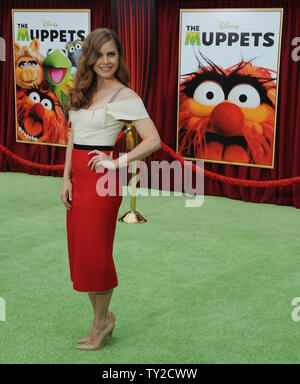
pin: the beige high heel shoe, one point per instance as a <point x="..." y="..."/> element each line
<point x="86" y="338"/>
<point x="109" y="331"/>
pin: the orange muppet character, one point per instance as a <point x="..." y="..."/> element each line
<point x="228" y="115"/>
<point x="40" y="117"/>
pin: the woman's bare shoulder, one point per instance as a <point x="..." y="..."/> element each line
<point x="127" y="93"/>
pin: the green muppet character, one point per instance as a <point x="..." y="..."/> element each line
<point x="57" y="69"/>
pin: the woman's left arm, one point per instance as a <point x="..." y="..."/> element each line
<point x="150" y="142"/>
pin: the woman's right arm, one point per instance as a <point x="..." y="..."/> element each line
<point x="66" y="192"/>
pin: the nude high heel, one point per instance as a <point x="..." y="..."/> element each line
<point x="89" y="347"/>
<point x="86" y="338"/>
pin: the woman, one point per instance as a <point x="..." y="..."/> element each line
<point x="100" y="102"/>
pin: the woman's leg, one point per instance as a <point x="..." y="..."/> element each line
<point x="92" y="297"/>
<point x="102" y="300"/>
<point x="102" y="324"/>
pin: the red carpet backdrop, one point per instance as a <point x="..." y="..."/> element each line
<point x="149" y="30"/>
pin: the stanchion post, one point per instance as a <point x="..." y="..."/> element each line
<point x="132" y="216"/>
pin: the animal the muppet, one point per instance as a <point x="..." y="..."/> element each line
<point x="227" y="115"/>
<point x="40" y="117"/>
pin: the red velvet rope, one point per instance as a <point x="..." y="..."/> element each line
<point x="232" y="180"/>
<point x="169" y="151"/>
<point x="31" y="164"/>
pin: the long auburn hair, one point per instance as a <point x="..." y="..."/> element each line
<point x="85" y="81"/>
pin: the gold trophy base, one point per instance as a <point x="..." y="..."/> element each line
<point x="132" y="217"/>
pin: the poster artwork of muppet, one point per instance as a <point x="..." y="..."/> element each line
<point x="227" y="114"/>
<point x="40" y="117"/>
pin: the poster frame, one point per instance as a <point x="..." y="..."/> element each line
<point x="224" y="10"/>
<point x="13" y="10"/>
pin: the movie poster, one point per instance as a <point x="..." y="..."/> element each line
<point x="47" y="46"/>
<point x="228" y="85"/>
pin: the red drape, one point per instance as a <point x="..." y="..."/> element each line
<point x="134" y="22"/>
<point x="161" y="98"/>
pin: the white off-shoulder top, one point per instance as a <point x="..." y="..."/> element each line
<point x="102" y="126"/>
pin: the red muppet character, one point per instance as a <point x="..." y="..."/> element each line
<point x="228" y="115"/>
<point x="40" y="117"/>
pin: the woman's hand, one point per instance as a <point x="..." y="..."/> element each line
<point x="101" y="159"/>
<point x="66" y="193"/>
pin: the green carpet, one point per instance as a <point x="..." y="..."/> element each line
<point x="212" y="284"/>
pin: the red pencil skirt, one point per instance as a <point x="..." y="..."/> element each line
<point x="91" y="224"/>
